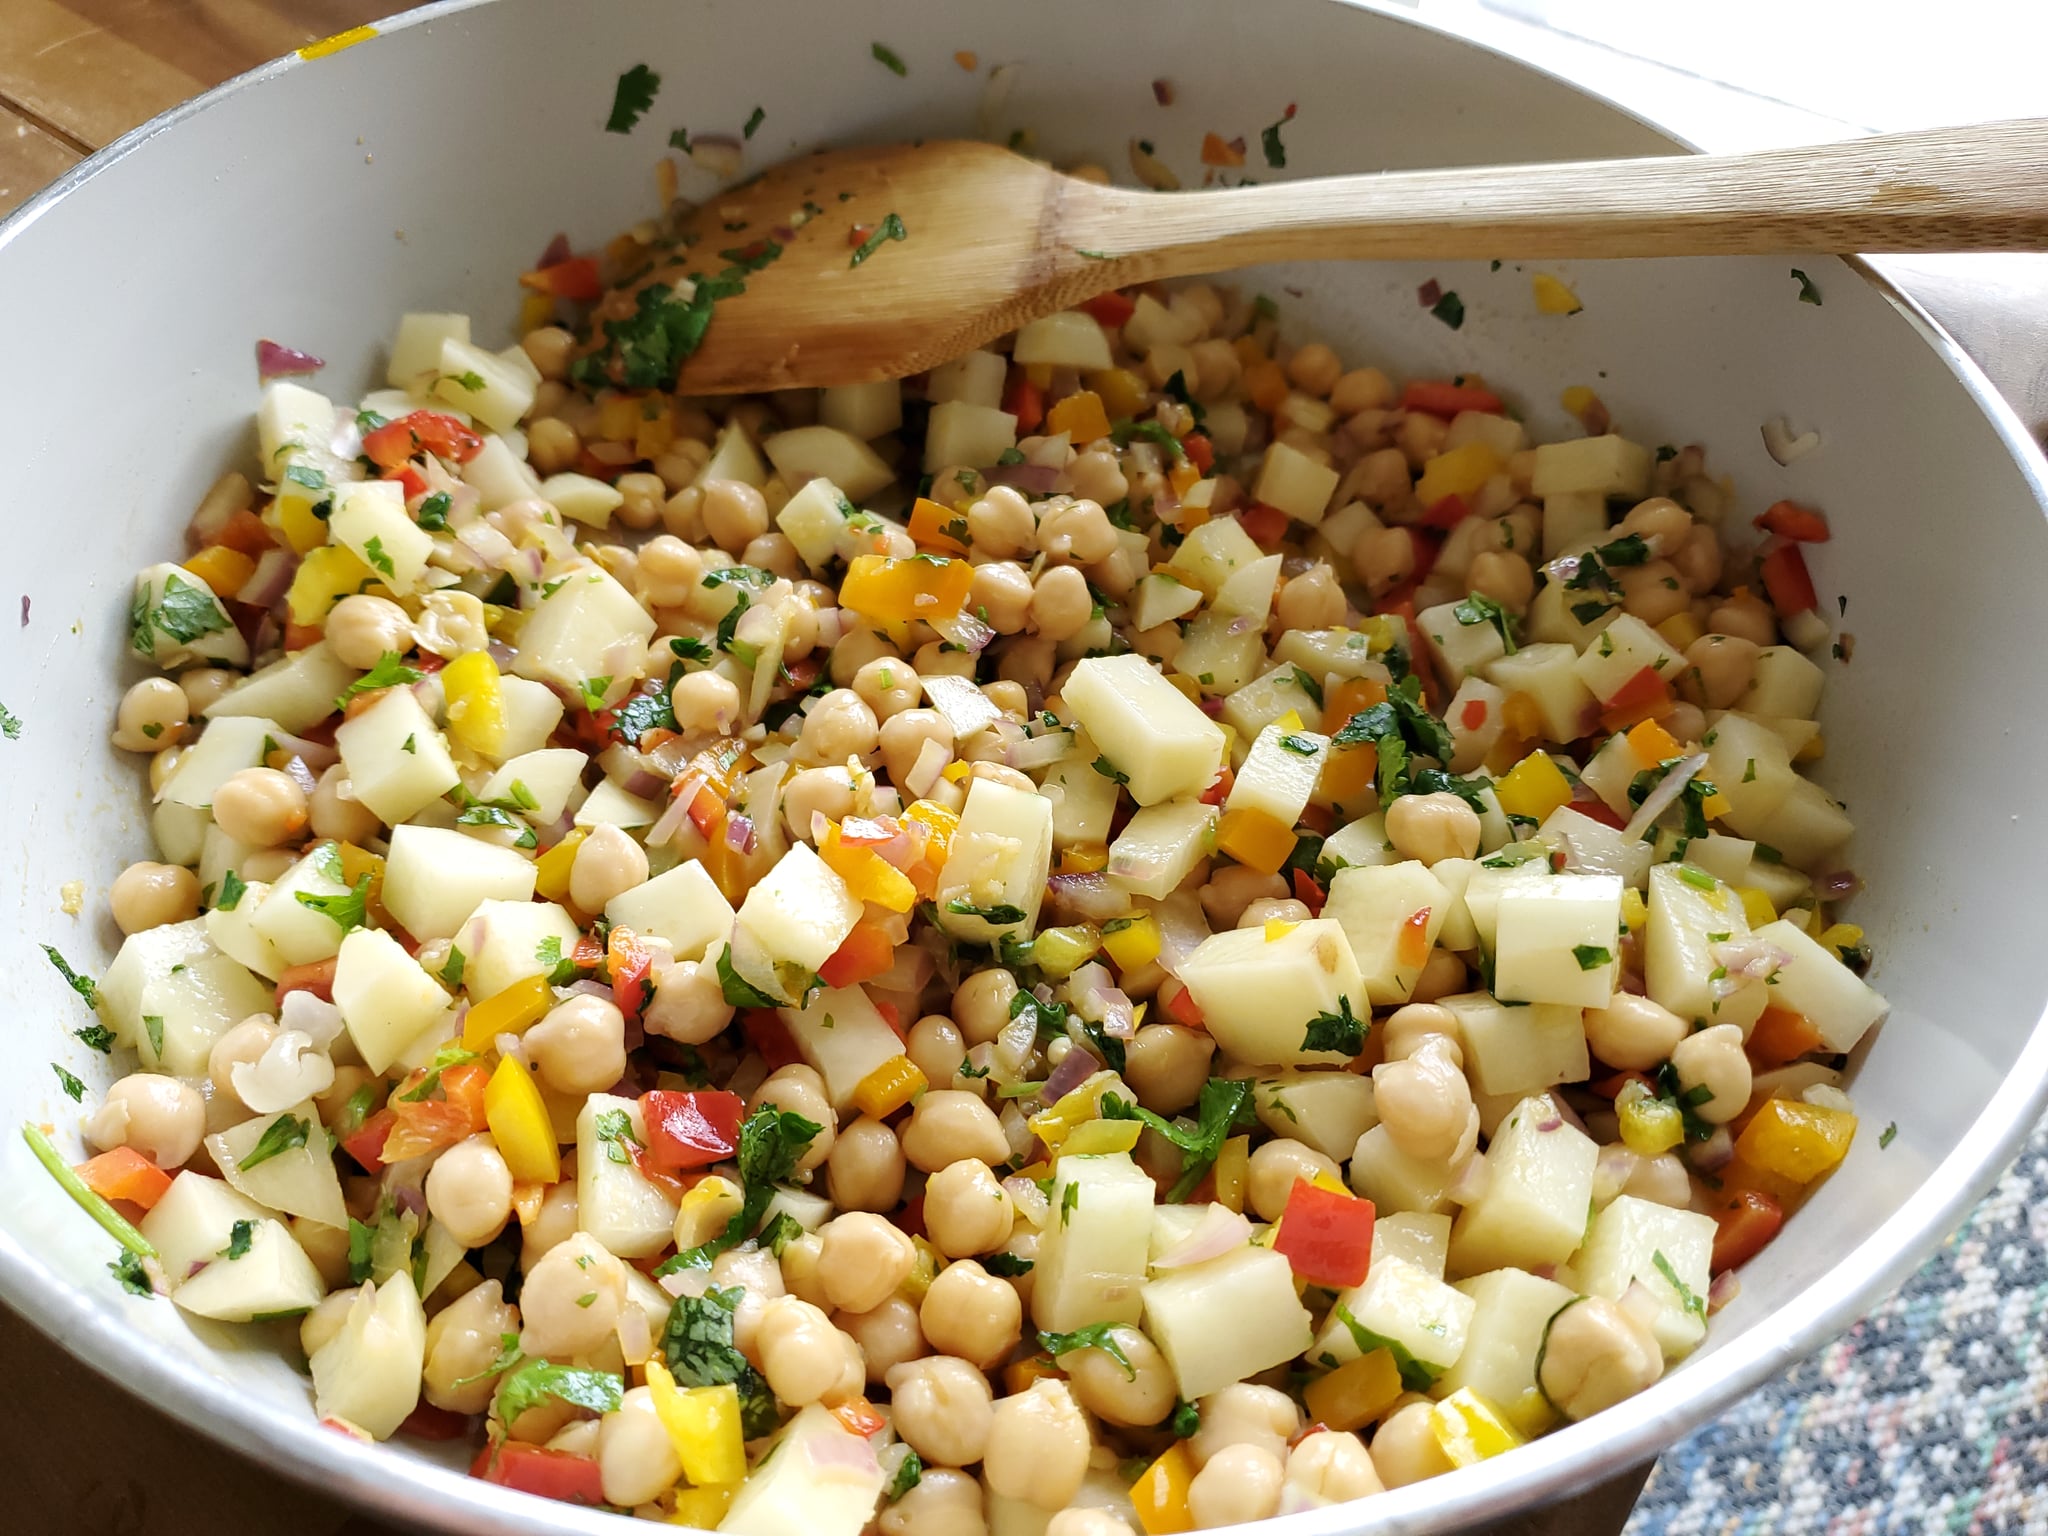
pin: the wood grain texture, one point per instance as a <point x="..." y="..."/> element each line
<point x="995" y="240"/>
<point x="29" y="157"/>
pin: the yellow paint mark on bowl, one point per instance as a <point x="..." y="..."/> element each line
<point x="336" y="43"/>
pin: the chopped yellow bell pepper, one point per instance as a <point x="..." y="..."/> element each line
<point x="508" y="1012"/>
<point x="706" y="1209"/>
<point x="1795" y="1140"/>
<point x="1813" y="751"/>
<point x="519" y="1124"/>
<point x="222" y="569"/>
<point x="1716" y="805"/>
<point x="325" y="576"/>
<point x="1233" y="1165"/>
<point x="654" y="435"/>
<point x="618" y="418"/>
<point x="1134" y="944"/>
<point x="1078" y="1105"/>
<point x="889" y="1087"/>
<point x="1059" y="952"/>
<point x="940" y="823"/>
<point x="1277" y="928"/>
<point x="1577" y="399"/>
<point x="868" y="875"/>
<point x="891" y="591"/>
<point x="1649" y="1125"/>
<point x="535" y="311"/>
<point x="1681" y="630"/>
<point x="1160" y="1495"/>
<point x="923" y="1271"/>
<point x="1120" y="391"/>
<point x="1018" y="1375"/>
<point x="471" y="684"/>
<point x="1255" y="839"/>
<point x="1553" y="297"/>
<point x="1459" y="472"/>
<point x="703" y="1508"/>
<point x="1838" y="937"/>
<point x="1534" y="788"/>
<point x="936" y="526"/>
<point x="1356" y="1393"/>
<point x="1093" y="1137"/>
<point x="1756" y="906"/>
<point x="551" y="869"/>
<point x="703" y="1425"/>
<point x="1521" y="717"/>
<point x="1084" y="859"/>
<point x="294" y="518"/>
<point x="1650" y="744"/>
<point x="1081" y="416"/>
<point x="1470" y="1429"/>
<point x="1634" y="910"/>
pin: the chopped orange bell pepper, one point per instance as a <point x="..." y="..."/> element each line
<point x="933" y="526"/>
<point x="1080" y="416"/>
<point x="1266" y="382"/>
<point x="1160" y="1495"/>
<point x="1650" y="744"/>
<point x="867" y="952"/>
<point x="867" y="874"/>
<point x="1356" y="1393"/>
<point x="1349" y="771"/>
<point x="889" y="1087"/>
<point x="1795" y="1140"/>
<point x="222" y="569"/>
<point x="125" y="1174"/>
<point x="1084" y="859"/>
<point x="892" y="591"/>
<point x="1255" y="839"/>
<point x="1121" y="391"/>
<point x="1457" y="472"/>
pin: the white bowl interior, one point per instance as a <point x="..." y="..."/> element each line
<point x="425" y="168"/>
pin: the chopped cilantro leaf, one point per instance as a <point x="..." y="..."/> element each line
<point x="240" y="1236"/>
<point x="390" y="672"/>
<point x="84" y="986"/>
<point x="1808" y="294"/>
<point x="347" y="911"/>
<point x="433" y="513"/>
<point x="1308" y="685"/>
<point x="96" y="1037"/>
<point x="908" y="1474"/>
<point x="1109" y="770"/>
<point x="891" y="228"/>
<point x="1591" y="956"/>
<point x="1886" y="1136"/>
<point x="635" y="93"/>
<point x="68" y="1083"/>
<point x="281" y="1135"/>
<point x="888" y="58"/>
<point x="1450" y="309"/>
<point x="533" y="1382"/>
<point x="754" y="120"/>
<point x="1224" y="1106"/>
<point x="1687" y="1298"/>
<point x="1000" y="914"/>
<point x="1095" y="1336"/>
<point x="739" y="992"/>
<point x="1008" y="1265"/>
<point x="614" y="1130"/>
<point x="1340" y="1031"/>
<point x="187" y="610"/>
<point x="697" y="1346"/>
<point x="232" y="889"/>
<point x="1480" y="609"/>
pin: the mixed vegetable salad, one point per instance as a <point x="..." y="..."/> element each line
<point x="1139" y="932"/>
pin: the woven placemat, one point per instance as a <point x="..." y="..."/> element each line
<point x="1931" y="1415"/>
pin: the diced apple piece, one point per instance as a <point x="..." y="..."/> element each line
<point x="397" y="760"/>
<point x="179" y="832"/>
<point x="368" y="1374"/>
<point x="1161" y="599"/>
<point x="1563" y="615"/>
<point x="814" y="520"/>
<point x="1414" y="1237"/>
<point x="435" y="878"/>
<point x="1556" y="940"/>
<point x="868" y="411"/>
<point x="502" y="942"/>
<point x="1572" y="520"/>
<point x="973" y="435"/>
<point x="194" y="1220"/>
<point x="1546" y="673"/>
<point x="1594" y="848"/>
<point x="483" y="384"/>
<point x="818" y="1479"/>
<point x="567" y="636"/>
<point x="1539" y="1187"/>
<point x="1096" y="1244"/>
<point x="1519" y="1049"/>
<point x="300" y="1181"/>
<point x="543" y="781"/>
<point x="1376" y="906"/>
<point x="1212" y="551"/>
<point x="683" y="905"/>
<point x="615" y="1203"/>
<point x="1280" y="774"/>
<point x="302" y="933"/>
<point x="582" y="499"/>
<point x="1069" y="339"/>
<point x="1320" y="652"/>
<point x="1626" y="647"/>
<point x="1160" y="845"/>
<point x="1605" y="466"/>
<point x="499" y="476"/>
<point x="532" y="711"/>
<point x="385" y="999"/>
<point x="272" y="1279"/>
<point x="234" y="934"/>
<point x="1257" y="995"/>
<point x="1748" y="764"/>
<point x="975" y="379"/>
<point x="416" y="349"/>
<point x="296" y="693"/>
<point x="1295" y="483"/>
<point x="369" y="519"/>
<point x="1690" y="913"/>
<point x="1394" y="1181"/>
<point x="290" y="418"/>
<point x="843" y="1035"/>
<point x="1166" y="746"/>
<point x="1404" y="1305"/>
<point x="800" y="911"/>
<point x="143" y="957"/>
<point x="1001" y="852"/>
<point x="734" y="457"/>
<point x="1360" y="843"/>
<point x="1225" y="1320"/>
<point x="1463" y="651"/>
<point x="1083" y="800"/>
<point x="1512" y="1311"/>
<point x="193" y="1006"/>
<point x="1325" y="1110"/>
<point x="1250" y="709"/>
<point x="610" y="806"/>
<point x="223" y="749"/>
<point x="1836" y="1001"/>
<point x="1808" y="827"/>
<point x="1248" y="593"/>
<point x="1220" y="653"/>
<point x="806" y="453"/>
<point x="1458" y="933"/>
<point x="1785" y="683"/>
<point x="1628" y="1237"/>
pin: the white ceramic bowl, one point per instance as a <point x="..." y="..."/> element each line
<point x="313" y="201"/>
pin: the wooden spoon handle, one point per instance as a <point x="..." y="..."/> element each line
<point x="1982" y="188"/>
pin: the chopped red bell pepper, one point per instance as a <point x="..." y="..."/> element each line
<point x="1788" y="581"/>
<point x="575" y="279"/>
<point x="1184" y="1010"/>
<point x="1747" y="1220"/>
<point x="866" y="954"/>
<point x="859" y="1417"/>
<point x="1646" y="687"/>
<point x="366" y="1143"/>
<point x="1308" y="893"/>
<point x="245" y="531"/>
<point x="692" y="1130"/>
<point x="410" y="480"/>
<point x="1789" y="520"/>
<point x="1597" y="810"/>
<point x="125" y="1174"/>
<point x="429" y="1124"/>
<point x="588" y="953"/>
<point x="1411" y="949"/>
<point x="1426" y="551"/>
<point x="315" y="976"/>
<point x="1025" y="401"/>
<point x="1219" y="791"/>
<point x="1266" y="525"/>
<point x="426" y="1422"/>
<point x="535" y="1469"/>
<point x="1436" y="397"/>
<point x="1200" y="450"/>
<point x="767" y="1034"/>
<point x="1473" y="715"/>
<point x="1111" y="309"/>
<point x="434" y="432"/>
<point x="1447" y="513"/>
<point x="1326" y="1237"/>
<point x="630" y="961"/>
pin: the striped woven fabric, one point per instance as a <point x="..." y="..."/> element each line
<point x="1930" y="1416"/>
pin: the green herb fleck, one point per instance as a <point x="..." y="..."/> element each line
<point x="1450" y="309"/>
<point x="1341" y="1031"/>
<point x="635" y="93"/>
<point x="1808" y="294"/>
<point x="891" y="228"/>
<point x="84" y="986"/>
<point x="70" y="1084"/>
<point x="1591" y="956"/>
<point x="888" y="58"/>
<point x="754" y="120"/>
<point x="1100" y="1336"/>
<point x="389" y="672"/>
<point x="281" y="1135"/>
<point x="1692" y="1302"/>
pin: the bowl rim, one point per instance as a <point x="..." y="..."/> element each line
<point x="417" y="1493"/>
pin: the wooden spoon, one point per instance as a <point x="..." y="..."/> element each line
<point x="895" y="258"/>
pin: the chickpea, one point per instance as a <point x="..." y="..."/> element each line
<point x="260" y="807"/>
<point x="152" y="716"/>
<point x="1061" y="605"/>
<point x="1661" y="1179"/>
<point x="802" y="1354"/>
<point x="1747" y="617"/>
<point x="1001" y="524"/>
<point x="1504" y="576"/>
<point x="161" y="766"/>
<point x="1002" y="590"/>
<point x="1633" y="1033"/>
<point x="798" y="1089"/>
<point x="469" y="1191"/>
<point x="1237" y="1484"/>
<point x="1233" y="888"/>
<point x="1652" y="591"/>
<point x="773" y="552"/>
<point x="1420" y="437"/>
<point x="1425" y="1103"/>
<point x="1079" y="531"/>
<point x="1383" y="558"/>
<point x="1699" y="561"/>
<point x="705" y="701"/>
<point x="1722" y="666"/>
<point x="1167" y="359"/>
<point x="944" y="1503"/>
<point x="1596" y="1355"/>
<point x="970" y="1313"/>
<point x="1217" y="370"/>
<point x="1167" y="1065"/>
<point x="636" y="1459"/>
<point x="1244" y="1414"/>
<point x="1314" y="369"/>
<point x="319" y="1326"/>
<point x="1276" y="1166"/>
<point x="865" y="1257"/>
<point x="1028" y="660"/>
<point x="1405" y="1449"/>
<point x="1408" y="1027"/>
<point x="204" y="686"/>
<point x="607" y="863"/>
<point x="555" y="1224"/>
<point x="242" y="1044"/>
<point x="947" y="1125"/>
<point x="463" y="1339"/>
<point x="1276" y="909"/>
<point x="887" y="687"/>
<point x="1381" y="481"/>
<point x="580" y="1047"/>
<point x="1037" y="1446"/>
<point x="812" y="791"/>
<point x="549" y="348"/>
<point x="1144" y="1394"/>
<point x="887" y="1335"/>
<point x="643" y="492"/>
<point x="147" y="895"/>
<point x="943" y="1409"/>
<point x="1686" y="721"/>
<point x="1660" y="522"/>
<point x="1713" y="1059"/>
<point x="1077" y="1521"/>
<point x="1312" y="600"/>
<point x="689" y="1002"/>
<point x="936" y="1048"/>
<point x="1362" y="389"/>
<point x="864" y="1170"/>
<point x="800" y="1277"/>
<point x="559" y="1324"/>
<point x="934" y="659"/>
<point x="159" y="1116"/>
<point x="362" y="630"/>
<point x="1443" y="973"/>
<point x="838" y="726"/>
<point x="552" y="445"/>
<point x="683" y="513"/>
<point x="668" y="573"/>
<point x="735" y="514"/>
<point x="335" y="812"/>
<point x="1097" y="476"/>
<point x="1433" y="827"/>
<point x="758" y="1274"/>
<point x="576" y="1437"/>
<point x="981" y="1006"/>
<point x="966" y="1210"/>
<point x="1332" y="1467"/>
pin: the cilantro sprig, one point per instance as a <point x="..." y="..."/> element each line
<point x="1225" y="1106"/>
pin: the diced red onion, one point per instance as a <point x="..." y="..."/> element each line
<point x="271" y="579"/>
<point x="1571" y="1118"/>
<point x="1544" y="1271"/>
<point x="1839" y="884"/>
<point x="645" y="783"/>
<point x="1745" y="960"/>
<point x="1552" y="1123"/>
<point x="832" y="627"/>
<point x="1119" y="1016"/>
<point x="1613" y="1169"/>
<point x="1665" y="794"/>
<point x="1221" y="1230"/>
<point x="589" y="988"/>
<point x="739" y="833"/>
<point x="557" y="252"/>
<point x="1086" y="898"/>
<point x="1212" y="706"/>
<point x="512" y="1047"/>
<point x="296" y="770"/>
<point x="1470" y="1183"/>
<point x="319" y="756"/>
<point x="1031" y="479"/>
<point x="1182" y="926"/>
<point x="486" y="543"/>
<point x="1075" y="1068"/>
<point x="1713" y="1154"/>
<point x="410" y="1198"/>
<point x="1028" y="1198"/>
<point x="964" y="630"/>
<point x="1040" y="751"/>
<point x="666" y="824"/>
<point x="925" y="773"/>
<point x="1429" y="293"/>
<point x="1238" y="625"/>
<point x="1726" y="1287"/>
<point x="274" y="361"/>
